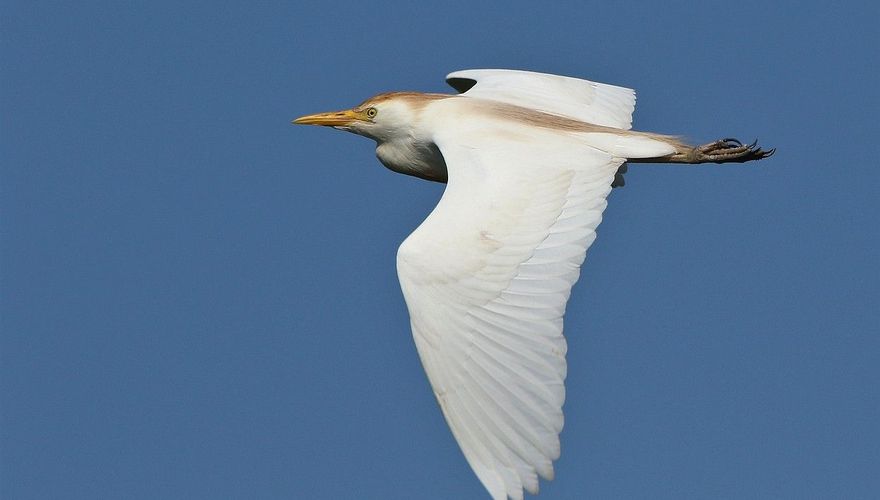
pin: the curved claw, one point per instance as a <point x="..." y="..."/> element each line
<point x="728" y="150"/>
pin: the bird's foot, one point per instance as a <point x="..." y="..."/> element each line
<point x="728" y="150"/>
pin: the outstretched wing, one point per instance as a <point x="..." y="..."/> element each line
<point x="486" y="278"/>
<point x="591" y="102"/>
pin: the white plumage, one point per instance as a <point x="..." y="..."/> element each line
<point x="589" y="102"/>
<point x="530" y="159"/>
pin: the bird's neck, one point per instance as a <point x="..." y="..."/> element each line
<point x="413" y="157"/>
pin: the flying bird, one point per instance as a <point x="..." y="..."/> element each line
<point x="529" y="159"/>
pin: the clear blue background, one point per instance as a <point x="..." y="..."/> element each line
<point x="199" y="300"/>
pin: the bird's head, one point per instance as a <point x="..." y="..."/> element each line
<point x="382" y="117"/>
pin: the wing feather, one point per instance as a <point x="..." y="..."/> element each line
<point x="591" y="102"/>
<point x="486" y="279"/>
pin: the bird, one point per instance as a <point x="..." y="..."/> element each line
<point x="529" y="160"/>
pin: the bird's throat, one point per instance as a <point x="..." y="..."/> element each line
<point x="419" y="159"/>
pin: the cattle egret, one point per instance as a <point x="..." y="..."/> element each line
<point x="529" y="159"/>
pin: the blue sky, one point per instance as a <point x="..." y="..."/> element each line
<point x="199" y="300"/>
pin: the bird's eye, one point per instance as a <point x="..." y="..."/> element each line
<point x="372" y="112"/>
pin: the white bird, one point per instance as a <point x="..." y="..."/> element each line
<point x="529" y="159"/>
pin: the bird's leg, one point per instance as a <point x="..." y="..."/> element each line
<point x="720" y="151"/>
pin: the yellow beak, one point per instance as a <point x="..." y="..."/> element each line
<point x="332" y="119"/>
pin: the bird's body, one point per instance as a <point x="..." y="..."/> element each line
<point x="414" y="150"/>
<point x="529" y="159"/>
